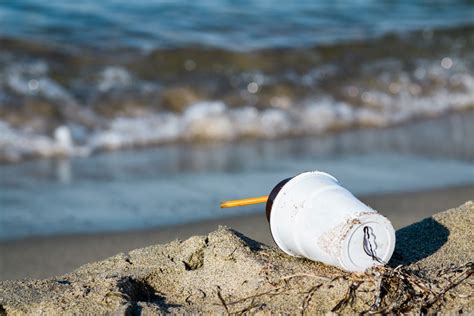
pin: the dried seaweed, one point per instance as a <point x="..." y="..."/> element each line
<point x="395" y="290"/>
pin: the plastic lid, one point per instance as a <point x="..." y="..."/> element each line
<point x="272" y="196"/>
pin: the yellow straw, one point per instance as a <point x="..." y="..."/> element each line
<point x="243" y="202"/>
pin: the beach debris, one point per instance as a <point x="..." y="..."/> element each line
<point x="311" y="215"/>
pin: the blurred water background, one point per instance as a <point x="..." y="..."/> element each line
<point x="231" y="97"/>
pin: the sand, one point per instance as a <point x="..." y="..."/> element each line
<point x="42" y="257"/>
<point x="227" y="272"/>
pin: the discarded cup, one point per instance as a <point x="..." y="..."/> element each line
<point x="313" y="216"/>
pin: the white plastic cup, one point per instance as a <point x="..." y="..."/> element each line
<point x="312" y="216"/>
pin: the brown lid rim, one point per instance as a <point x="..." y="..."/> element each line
<point x="272" y="196"/>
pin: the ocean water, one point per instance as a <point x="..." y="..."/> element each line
<point x="234" y="25"/>
<point x="177" y="184"/>
<point x="120" y="115"/>
<point x="82" y="77"/>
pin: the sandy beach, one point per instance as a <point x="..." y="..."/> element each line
<point x="227" y="272"/>
<point x="40" y="257"/>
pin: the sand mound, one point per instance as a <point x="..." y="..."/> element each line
<point x="225" y="272"/>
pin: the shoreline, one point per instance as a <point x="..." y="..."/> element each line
<point x="412" y="122"/>
<point x="45" y="256"/>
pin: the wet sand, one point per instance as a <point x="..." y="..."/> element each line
<point x="41" y="257"/>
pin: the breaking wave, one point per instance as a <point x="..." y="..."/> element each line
<point x="54" y="102"/>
